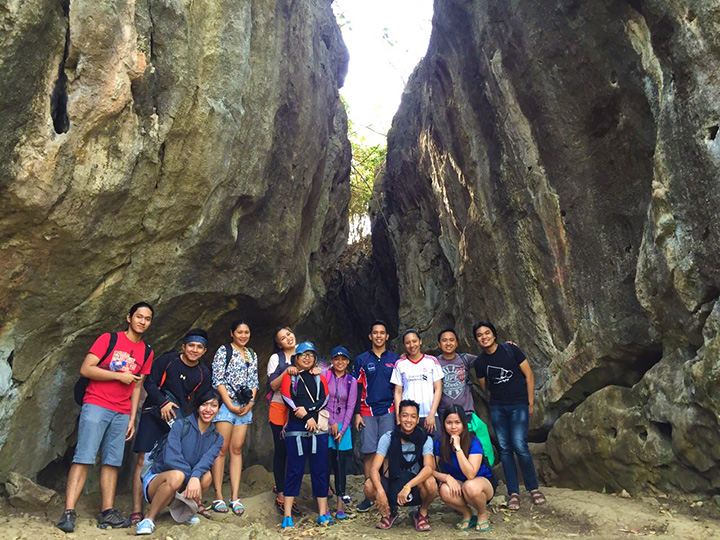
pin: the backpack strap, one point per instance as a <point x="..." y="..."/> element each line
<point x="228" y="355"/>
<point x="111" y="346"/>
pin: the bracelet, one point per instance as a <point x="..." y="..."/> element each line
<point x="407" y="487"/>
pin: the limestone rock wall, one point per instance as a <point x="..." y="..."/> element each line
<point x="192" y="154"/>
<point x="554" y="167"/>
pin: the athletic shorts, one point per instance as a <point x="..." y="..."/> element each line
<point x="102" y="430"/>
<point x="375" y="427"/>
<point x="150" y="430"/>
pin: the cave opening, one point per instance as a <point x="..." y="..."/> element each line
<point x="384" y="50"/>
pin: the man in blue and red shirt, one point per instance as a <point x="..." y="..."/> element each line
<point x="375" y="410"/>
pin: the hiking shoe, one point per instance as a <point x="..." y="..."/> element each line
<point x="67" y="521"/>
<point x="146" y="526"/>
<point x="346" y="499"/>
<point x="340" y="515"/>
<point x="364" y="506"/>
<point x="114" y="519"/>
<point x="325" y="520"/>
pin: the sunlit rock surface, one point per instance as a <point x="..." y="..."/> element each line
<point x="192" y="154"/>
<point x="555" y="167"/>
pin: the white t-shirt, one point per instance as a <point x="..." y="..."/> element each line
<point x="416" y="379"/>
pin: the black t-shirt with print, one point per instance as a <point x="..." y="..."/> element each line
<point x="502" y="374"/>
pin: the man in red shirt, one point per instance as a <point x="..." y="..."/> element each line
<point x="115" y="364"/>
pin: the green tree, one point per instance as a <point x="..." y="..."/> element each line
<point x="365" y="160"/>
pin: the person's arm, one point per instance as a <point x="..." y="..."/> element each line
<point x="437" y="395"/>
<point x="208" y="458"/>
<point x="425" y="473"/>
<point x="134" y="402"/>
<point x="172" y="451"/>
<point x="397" y="398"/>
<point x="530" y="381"/>
<point x="90" y="368"/>
<point x="445" y="478"/>
<point x="349" y="405"/>
<point x="381" y="500"/>
<point x="469" y="465"/>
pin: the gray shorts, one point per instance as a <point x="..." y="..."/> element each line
<point x="375" y="427"/>
<point x="102" y="430"/>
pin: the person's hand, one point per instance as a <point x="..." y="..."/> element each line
<point x="334" y="429"/>
<point x="430" y="424"/>
<point x="193" y="490"/>
<point x="311" y="425"/>
<point x="130" y="430"/>
<point x="300" y="412"/>
<point x="243" y="410"/>
<point x="359" y="422"/>
<point x="402" y="497"/>
<point x="292" y="370"/>
<point x="381" y="502"/>
<point x="315" y="371"/>
<point x="454" y="486"/>
<point x="167" y="411"/>
<point x="454" y="441"/>
<point x="127" y="377"/>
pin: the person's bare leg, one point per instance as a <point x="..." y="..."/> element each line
<point x="137" y="494"/>
<point x="236" y="459"/>
<point x="218" y="468"/>
<point x="322" y="506"/>
<point x="75" y="483"/>
<point x="456" y="502"/>
<point x="477" y="492"/>
<point x="162" y="490"/>
<point x="367" y="464"/>
<point x="108" y="483"/>
<point x="428" y="493"/>
<point x="288" y="505"/>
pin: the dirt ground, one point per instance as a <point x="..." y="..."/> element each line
<point x="568" y="514"/>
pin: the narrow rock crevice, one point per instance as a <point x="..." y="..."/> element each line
<point x="59" y="96"/>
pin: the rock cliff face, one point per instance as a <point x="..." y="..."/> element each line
<point x="191" y="154"/>
<point x="554" y="167"/>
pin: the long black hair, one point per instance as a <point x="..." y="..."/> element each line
<point x="446" y="449"/>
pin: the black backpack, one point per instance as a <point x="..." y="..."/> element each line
<point x="82" y="382"/>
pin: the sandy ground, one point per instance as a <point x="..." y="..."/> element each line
<point x="568" y="514"/>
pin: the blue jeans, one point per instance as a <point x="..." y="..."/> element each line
<point x="511" y="426"/>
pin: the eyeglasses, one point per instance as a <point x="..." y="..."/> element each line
<point x="307" y="355"/>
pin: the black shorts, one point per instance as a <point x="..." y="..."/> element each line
<point x="149" y="431"/>
<point x="392" y="488"/>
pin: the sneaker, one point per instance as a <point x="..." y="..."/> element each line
<point x="114" y="519"/>
<point x="146" y="526"/>
<point x="194" y="520"/>
<point x="287" y="523"/>
<point x="346" y="499"/>
<point x="67" y="521"/>
<point x="364" y="506"/>
<point x="340" y="515"/>
<point x="325" y="520"/>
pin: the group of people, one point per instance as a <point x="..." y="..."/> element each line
<point x="418" y="432"/>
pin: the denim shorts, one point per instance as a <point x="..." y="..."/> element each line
<point x="146" y="482"/>
<point x="375" y="427"/>
<point x="224" y="415"/>
<point x="103" y="430"/>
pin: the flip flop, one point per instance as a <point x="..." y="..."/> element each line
<point x="466" y="524"/>
<point x="483" y="526"/>
<point x="220" y="507"/>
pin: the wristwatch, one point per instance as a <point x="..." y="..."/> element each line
<point x="457" y="449"/>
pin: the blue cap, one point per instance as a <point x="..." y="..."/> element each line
<point x="340" y="351"/>
<point x="304" y="347"/>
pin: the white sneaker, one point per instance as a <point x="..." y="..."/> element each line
<point x="146" y="526"/>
